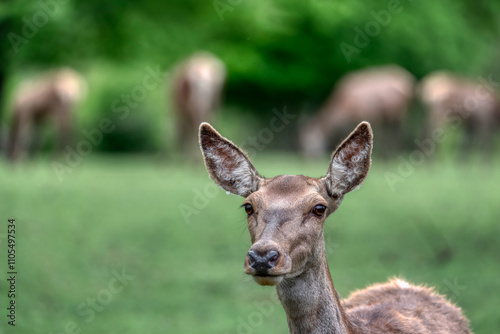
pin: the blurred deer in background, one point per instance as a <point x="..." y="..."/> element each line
<point x="453" y="101"/>
<point x="380" y="95"/>
<point x="197" y="91"/>
<point x="52" y="95"/>
<point x="286" y="216"/>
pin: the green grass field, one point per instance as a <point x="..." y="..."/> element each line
<point x="179" y="255"/>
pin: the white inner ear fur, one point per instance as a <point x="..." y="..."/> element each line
<point x="348" y="168"/>
<point x="233" y="170"/>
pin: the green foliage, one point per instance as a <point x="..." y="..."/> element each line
<point x="277" y="52"/>
<point x="114" y="213"/>
<point x="137" y="125"/>
<point x="125" y="213"/>
<point x="292" y="50"/>
<point x="132" y="134"/>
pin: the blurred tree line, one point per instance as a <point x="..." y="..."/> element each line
<point x="277" y="52"/>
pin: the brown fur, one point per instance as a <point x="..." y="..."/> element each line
<point x="380" y="95"/>
<point x="287" y="238"/>
<point x="451" y="99"/>
<point x="196" y="94"/>
<point x="382" y="308"/>
<point x="50" y="96"/>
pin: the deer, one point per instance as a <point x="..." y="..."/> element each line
<point x="197" y="91"/>
<point x="50" y="96"/>
<point x="452" y="100"/>
<point x="382" y="95"/>
<point x="286" y="215"/>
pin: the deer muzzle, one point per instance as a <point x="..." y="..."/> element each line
<point x="267" y="263"/>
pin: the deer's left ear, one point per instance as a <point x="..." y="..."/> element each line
<point x="226" y="164"/>
<point x="350" y="162"/>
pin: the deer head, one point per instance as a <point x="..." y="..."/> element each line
<point x="286" y="213"/>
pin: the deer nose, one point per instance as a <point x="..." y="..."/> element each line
<point x="262" y="262"/>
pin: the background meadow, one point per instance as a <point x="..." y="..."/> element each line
<point x="133" y="238"/>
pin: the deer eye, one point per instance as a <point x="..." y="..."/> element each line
<point x="248" y="209"/>
<point x="319" y="210"/>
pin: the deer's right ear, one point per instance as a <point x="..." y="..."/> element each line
<point x="350" y="162"/>
<point x="227" y="165"/>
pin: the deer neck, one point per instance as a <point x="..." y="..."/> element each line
<point x="311" y="302"/>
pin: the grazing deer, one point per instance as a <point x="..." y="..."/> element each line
<point x="380" y="95"/>
<point x="286" y="215"/>
<point x="50" y="96"/>
<point x="452" y="100"/>
<point x="197" y="92"/>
